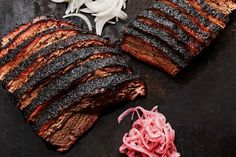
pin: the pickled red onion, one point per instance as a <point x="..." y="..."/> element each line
<point x="150" y="136"/>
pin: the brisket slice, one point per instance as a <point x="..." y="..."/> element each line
<point x="17" y="31"/>
<point x="155" y="19"/>
<point x="167" y="37"/>
<point x="69" y="80"/>
<point x="170" y="33"/>
<point x="34" y="29"/>
<point x="183" y="20"/>
<point x="70" y="124"/>
<point x="28" y="68"/>
<point x="209" y="12"/>
<point x="24" y="51"/>
<point x="62" y="63"/>
<point x="32" y="112"/>
<point x="31" y="94"/>
<point x="151" y="50"/>
<point x="224" y="6"/>
<point x="194" y="15"/>
<point x="92" y="88"/>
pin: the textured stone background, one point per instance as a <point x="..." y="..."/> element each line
<point x="200" y="103"/>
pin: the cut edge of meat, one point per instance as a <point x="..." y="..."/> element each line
<point x="53" y="131"/>
<point x="32" y="113"/>
<point x="12" y="53"/>
<point x="152" y="57"/>
<point x="224" y="6"/>
<point x="73" y="129"/>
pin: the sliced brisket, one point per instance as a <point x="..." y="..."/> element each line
<point x="194" y="15"/>
<point x="17" y="31"/>
<point x="170" y="33"/>
<point x="24" y="51"/>
<point x="35" y="28"/>
<point x="42" y="61"/>
<point x="62" y="78"/>
<point x="152" y="18"/>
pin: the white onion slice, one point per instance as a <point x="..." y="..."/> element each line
<point x="83" y="17"/>
<point x="60" y="1"/>
<point x="103" y="11"/>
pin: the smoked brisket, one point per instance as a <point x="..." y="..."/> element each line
<point x="183" y="28"/>
<point x="62" y="77"/>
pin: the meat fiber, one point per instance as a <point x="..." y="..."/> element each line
<point x="62" y="77"/>
<point x="170" y="33"/>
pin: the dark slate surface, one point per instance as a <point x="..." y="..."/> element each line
<point x="200" y="103"/>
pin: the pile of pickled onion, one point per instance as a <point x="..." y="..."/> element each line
<point x="103" y="10"/>
<point x="150" y="136"/>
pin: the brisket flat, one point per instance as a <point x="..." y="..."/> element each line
<point x="183" y="28"/>
<point x="62" y="77"/>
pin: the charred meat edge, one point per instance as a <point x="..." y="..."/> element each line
<point x="163" y="34"/>
<point x="38" y="43"/>
<point x="150" y="55"/>
<point x="181" y="17"/>
<point x="44" y="78"/>
<point x="47" y="73"/>
<point x="129" y="89"/>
